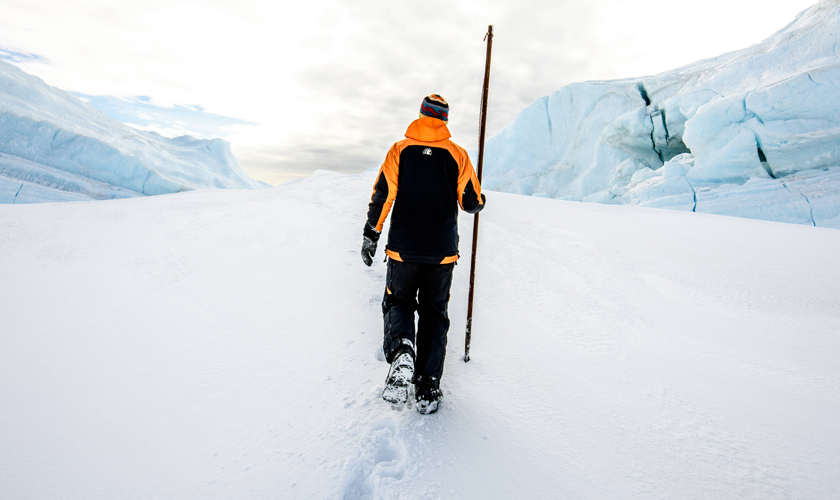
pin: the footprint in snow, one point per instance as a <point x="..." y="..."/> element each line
<point x="379" y="353"/>
<point x="381" y="462"/>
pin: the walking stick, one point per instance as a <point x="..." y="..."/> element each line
<point x="481" y="130"/>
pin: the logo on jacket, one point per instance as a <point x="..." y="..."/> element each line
<point x="427" y="151"/>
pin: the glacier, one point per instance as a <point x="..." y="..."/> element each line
<point x="57" y="147"/>
<point x="752" y="133"/>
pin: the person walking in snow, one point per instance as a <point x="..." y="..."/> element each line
<point x="425" y="177"/>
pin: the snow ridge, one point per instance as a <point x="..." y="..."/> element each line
<point x="694" y="138"/>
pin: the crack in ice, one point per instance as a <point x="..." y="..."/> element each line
<point x="665" y="125"/>
<point x="143" y="189"/>
<point x="643" y="93"/>
<point x="652" y="140"/>
<point x="16" y="194"/>
<point x="693" y="194"/>
<point x="810" y="207"/>
<point x="548" y="117"/>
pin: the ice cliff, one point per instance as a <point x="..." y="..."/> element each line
<point x="56" y="147"/>
<point x="752" y="133"/>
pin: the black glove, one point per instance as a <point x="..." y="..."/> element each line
<point x="368" y="250"/>
<point x="371" y="237"/>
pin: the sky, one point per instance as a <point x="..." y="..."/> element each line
<point x="300" y="86"/>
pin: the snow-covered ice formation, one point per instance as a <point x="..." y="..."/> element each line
<point x="56" y="147"/>
<point x="752" y="133"/>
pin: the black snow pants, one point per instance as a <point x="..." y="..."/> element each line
<point x="423" y="288"/>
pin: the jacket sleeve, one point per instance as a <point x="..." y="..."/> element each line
<point x="384" y="193"/>
<point x="469" y="189"/>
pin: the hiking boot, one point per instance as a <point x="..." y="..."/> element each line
<point x="427" y="394"/>
<point x="399" y="377"/>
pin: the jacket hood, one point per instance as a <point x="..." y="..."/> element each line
<point x="428" y="129"/>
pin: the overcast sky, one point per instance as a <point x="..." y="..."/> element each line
<point x="296" y="86"/>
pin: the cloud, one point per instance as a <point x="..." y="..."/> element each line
<point x="15" y="56"/>
<point x="141" y="112"/>
<point x="277" y="164"/>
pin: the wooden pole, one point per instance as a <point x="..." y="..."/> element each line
<point x="481" y="130"/>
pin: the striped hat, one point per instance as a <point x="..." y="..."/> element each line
<point x="436" y="107"/>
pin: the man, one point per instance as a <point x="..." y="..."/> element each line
<point x="425" y="177"/>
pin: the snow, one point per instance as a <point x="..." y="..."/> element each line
<point x="760" y="116"/>
<point x="55" y="131"/>
<point x="227" y="344"/>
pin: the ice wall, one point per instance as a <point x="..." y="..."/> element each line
<point x="753" y="133"/>
<point x="60" y="148"/>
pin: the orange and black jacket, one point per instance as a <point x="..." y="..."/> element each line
<point x="424" y="179"/>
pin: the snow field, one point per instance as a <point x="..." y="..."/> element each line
<point x="219" y="344"/>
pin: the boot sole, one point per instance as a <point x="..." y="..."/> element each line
<point x="396" y="385"/>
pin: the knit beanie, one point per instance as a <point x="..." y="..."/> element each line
<point x="435" y="106"/>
